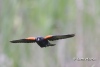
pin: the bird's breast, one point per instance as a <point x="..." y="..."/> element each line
<point x="42" y="43"/>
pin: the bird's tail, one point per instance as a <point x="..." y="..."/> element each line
<point x="52" y="44"/>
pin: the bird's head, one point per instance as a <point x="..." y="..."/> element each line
<point x="39" y="38"/>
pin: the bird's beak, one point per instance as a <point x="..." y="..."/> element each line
<point x="38" y="39"/>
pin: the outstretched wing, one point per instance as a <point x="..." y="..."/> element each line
<point x="57" y="37"/>
<point x="26" y="40"/>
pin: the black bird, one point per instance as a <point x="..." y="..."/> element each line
<point x="43" y="41"/>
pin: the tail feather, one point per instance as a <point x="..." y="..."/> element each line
<point x="52" y="44"/>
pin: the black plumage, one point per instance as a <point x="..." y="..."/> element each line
<point x="43" y="41"/>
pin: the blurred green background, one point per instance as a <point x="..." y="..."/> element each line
<point x="23" y="18"/>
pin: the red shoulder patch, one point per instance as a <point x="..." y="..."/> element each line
<point x="49" y="36"/>
<point x="31" y="38"/>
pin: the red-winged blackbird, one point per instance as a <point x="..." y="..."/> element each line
<point x="43" y="41"/>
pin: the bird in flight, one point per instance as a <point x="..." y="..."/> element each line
<point x="43" y="41"/>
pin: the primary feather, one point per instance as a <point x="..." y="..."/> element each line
<point x="57" y="37"/>
<point x="22" y="41"/>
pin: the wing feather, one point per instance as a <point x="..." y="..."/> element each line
<point x="57" y="37"/>
<point x="26" y="40"/>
